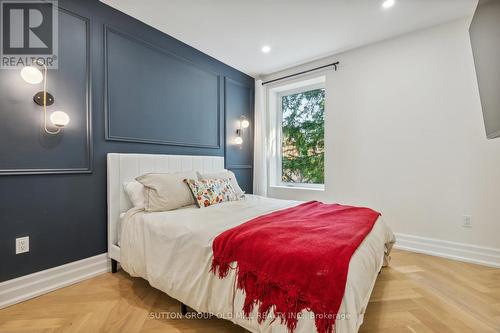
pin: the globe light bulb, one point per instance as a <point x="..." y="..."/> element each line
<point x="245" y="123"/>
<point x="31" y="75"/>
<point x="59" y="119"/>
<point x="238" y="140"/>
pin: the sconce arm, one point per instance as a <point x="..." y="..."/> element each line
<point x="38" y="62"/>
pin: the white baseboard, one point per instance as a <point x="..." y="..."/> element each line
<point x="32" y="285"/>
<point x="452" y="250"/>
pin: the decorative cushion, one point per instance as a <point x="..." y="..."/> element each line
<point x="166" y="191"/>
<point x="224" y="174"/>
<point x="207" y="192"/>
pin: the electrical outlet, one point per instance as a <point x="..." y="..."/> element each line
<point x="466" y="221"/>
<point x="22" y="245"/>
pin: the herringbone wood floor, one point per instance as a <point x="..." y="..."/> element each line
<point x="416" y="294"/>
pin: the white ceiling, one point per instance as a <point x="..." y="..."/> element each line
<point x="298" y="31"/>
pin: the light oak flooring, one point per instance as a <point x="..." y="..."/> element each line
<point x="416" y="294"/>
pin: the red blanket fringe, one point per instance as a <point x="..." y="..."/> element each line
<point x="294" y="259"/>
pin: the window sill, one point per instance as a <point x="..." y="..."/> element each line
<point x="301" y="188"/>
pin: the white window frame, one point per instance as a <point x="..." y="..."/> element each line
<point x="276" y="166"/>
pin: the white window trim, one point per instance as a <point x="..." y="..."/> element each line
<point x="276" y="124"/>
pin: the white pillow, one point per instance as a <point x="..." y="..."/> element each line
<point x="166" y="191"/>
<point x="224" y="174"/>
<point x="135" y="193"/>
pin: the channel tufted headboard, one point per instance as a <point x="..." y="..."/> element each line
<point x="126" y="167"/>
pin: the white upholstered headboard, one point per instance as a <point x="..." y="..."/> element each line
<point x="126" y="167"/>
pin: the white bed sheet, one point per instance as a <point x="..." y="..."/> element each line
<point x="173" y="251"/>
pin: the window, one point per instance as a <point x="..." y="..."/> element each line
<point x="301" y="144"/>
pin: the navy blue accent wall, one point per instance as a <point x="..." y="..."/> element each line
<point x="127" y="88"/>
<point x="239" y="101"/>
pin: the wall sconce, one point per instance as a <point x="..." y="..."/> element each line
<point x="32" y="75"/>
<point x="244" y="123"/>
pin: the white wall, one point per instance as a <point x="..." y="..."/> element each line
<point x="405" y="136"/>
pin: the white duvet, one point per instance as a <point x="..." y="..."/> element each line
<point x="173" y="251"/>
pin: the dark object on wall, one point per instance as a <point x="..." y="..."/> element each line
<point x="485" y="39"/>
<point x="65" y="214"/>
<point x="38" y="98"/>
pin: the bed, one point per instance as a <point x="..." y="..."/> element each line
<point x="173" y="250"/>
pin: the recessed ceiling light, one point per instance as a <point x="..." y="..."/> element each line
<point x="388" y="4"/>
<point x="266" y="49"/>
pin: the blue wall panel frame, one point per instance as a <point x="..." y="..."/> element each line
<point x="187" y="121"/>
<point x="239" y="101"/>
<point x="35" y="151"/>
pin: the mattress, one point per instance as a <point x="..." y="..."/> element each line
<point x="173" y="251"/>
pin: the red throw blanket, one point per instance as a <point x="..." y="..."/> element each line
<point x="294" y="259"/>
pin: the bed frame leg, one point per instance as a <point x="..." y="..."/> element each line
<point x="184" y="309"/>
<point x="114" y="266"/>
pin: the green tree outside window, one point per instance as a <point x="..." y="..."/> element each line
<point x="303" y="137"/>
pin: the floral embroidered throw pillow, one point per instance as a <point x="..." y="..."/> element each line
<point x="209" y="192"/>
